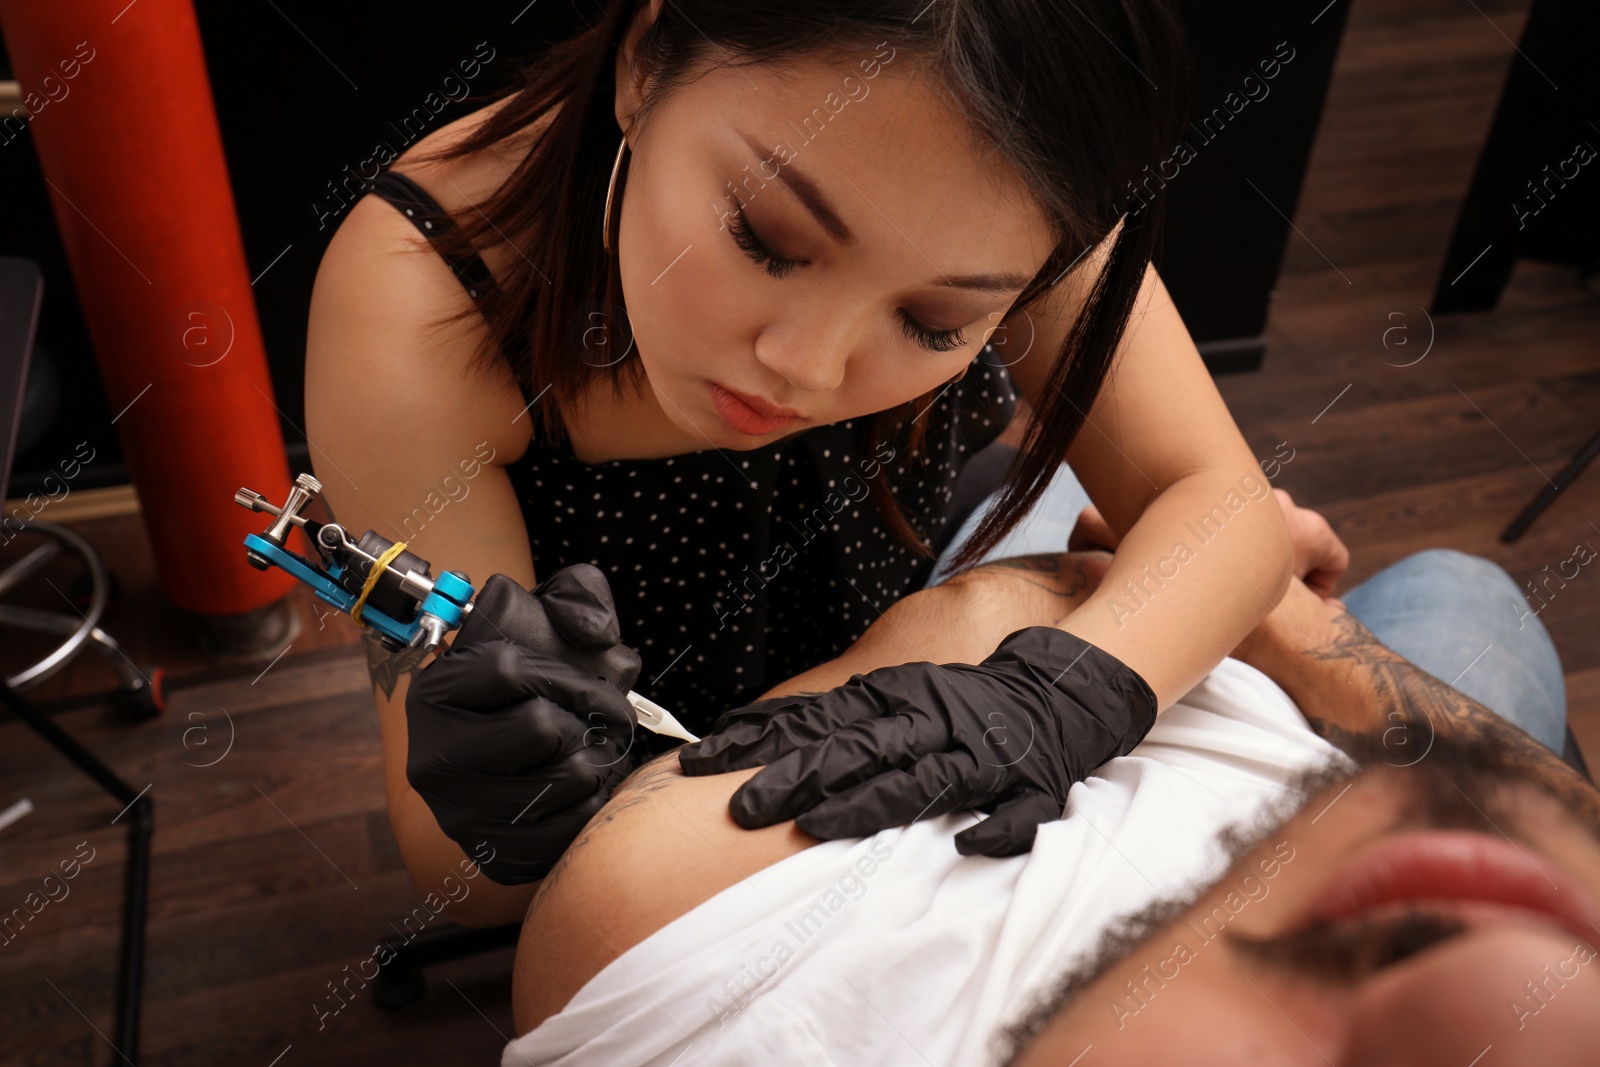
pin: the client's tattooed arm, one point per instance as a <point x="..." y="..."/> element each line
<point x="1063" y="575"/>
<point x="632" y="791"/>
<point x="964" y="619"/>
<point x="1347" y="682"/>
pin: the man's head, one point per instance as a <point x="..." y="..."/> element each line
<point x="1441" y="913"/>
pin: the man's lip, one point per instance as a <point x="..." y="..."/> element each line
<point x="760" y="405"/>
<point x="1457" y="865"/>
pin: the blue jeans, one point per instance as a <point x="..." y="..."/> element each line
<point x="1461" y="618"/>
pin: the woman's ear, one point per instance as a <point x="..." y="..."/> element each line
<point x="632" y="74"/>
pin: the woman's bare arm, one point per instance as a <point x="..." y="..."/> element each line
<point x="1161" y="457"/>
<point x="408" y="442"/>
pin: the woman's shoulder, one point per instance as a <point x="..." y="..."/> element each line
<point x="457" y="183"/>
<point x="460" y="183"/>
<point x="384" y="299"/>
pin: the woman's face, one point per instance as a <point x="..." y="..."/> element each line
<point x="823" y="238"/>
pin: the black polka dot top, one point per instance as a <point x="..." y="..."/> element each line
<point x="733" y="571"/>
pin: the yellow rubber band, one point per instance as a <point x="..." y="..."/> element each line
<point x="379" y="565"/>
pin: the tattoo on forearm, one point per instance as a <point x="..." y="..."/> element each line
<point x="651" y="778"/>
<point x="1415" y="706"/>
<point x="387" y="667"/>
<point x="1051" y="571"/>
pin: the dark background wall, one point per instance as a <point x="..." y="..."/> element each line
<point x="305" y="90"/>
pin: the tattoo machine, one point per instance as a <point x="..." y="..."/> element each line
<point x="379" y="584"/>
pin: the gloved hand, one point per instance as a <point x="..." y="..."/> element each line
<point x="520" y="730"/>
<point x="1009" y="735"/>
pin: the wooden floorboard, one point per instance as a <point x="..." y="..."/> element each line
<point x="274" y="866"/>
<point x="274" y="870"/>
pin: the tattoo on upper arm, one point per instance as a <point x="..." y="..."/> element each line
<point x="650" y="778"/>
<point x="388" y="668"/>
<point x="1051" y="571"/>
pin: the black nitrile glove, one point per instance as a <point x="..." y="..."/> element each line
<point x="520" y="730"/>
<point x="1009" y="735"/>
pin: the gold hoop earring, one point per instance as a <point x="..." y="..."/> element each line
<point x="611" y="191"/>
<point x="962" y="375"/>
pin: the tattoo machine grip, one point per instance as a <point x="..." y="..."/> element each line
<point x="504" y="609"/>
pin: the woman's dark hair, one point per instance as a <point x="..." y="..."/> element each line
<point x="1077" y="96"/>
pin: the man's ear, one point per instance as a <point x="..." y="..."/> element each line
<point x="631" y="75"/>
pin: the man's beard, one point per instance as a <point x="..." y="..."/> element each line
<point x="1455" y="787"/>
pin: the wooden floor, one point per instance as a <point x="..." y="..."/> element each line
<point x="1404" y="451"/>
<point x="275" y="869"/>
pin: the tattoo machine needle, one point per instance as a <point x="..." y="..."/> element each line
<point x="379" y="584"/>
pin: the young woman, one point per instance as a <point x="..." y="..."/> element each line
<point x="756" y="281"/>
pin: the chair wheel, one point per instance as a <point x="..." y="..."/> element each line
<point x="393" y="990"/>
<point x="148" y="701"/>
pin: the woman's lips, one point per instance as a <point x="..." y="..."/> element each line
<point x="1457" y="865"/>
<point x="750" y="415"/>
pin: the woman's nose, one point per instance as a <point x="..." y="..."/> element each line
<point x="812" y="359"/>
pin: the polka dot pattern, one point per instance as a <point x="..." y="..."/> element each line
<point x="735" y="570"/>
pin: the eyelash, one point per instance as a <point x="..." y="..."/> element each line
<point x="756" y="248"/>
<point x="778" y="267"/>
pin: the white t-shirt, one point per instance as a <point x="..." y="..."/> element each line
<point x="894" y="949"/>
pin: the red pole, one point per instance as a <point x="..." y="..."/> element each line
<point x="121" y="114"/>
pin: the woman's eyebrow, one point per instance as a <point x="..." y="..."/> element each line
<point x="988" y="283"/>
<point x="805" y="190"/>
<point x="821" y="209"/>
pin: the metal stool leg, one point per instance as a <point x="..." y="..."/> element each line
<point x="143" y="690"/>
<point x="141" y="825"/>
<point x="1548" y="494"/>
